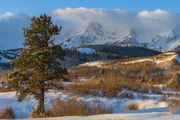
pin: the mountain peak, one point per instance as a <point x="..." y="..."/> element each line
<point x="93" y="30"/>
<point x="96" y="33"/>
<point x="94" y="25"/>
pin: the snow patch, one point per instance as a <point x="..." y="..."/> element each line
<point x="155" y="60"/>
<point x="4" y="60"/>
<point x="148" y="104"/>
<point x="138" y="61"/>
<point x="83" y="80"/>
<point x="93" y="64"/>
<point x="166" y="59"/>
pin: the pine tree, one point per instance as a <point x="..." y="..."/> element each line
<point x="38" y="68"/>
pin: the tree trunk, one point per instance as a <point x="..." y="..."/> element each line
<point x="40" y="107"/>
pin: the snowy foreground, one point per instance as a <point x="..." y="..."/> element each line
<point x="140" y="116"/>
<point x="151" y="107"/>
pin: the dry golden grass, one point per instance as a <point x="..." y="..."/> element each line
<point x="6" y="113"/>
<point x="131" y="106"/>
<point x="174" y="104"/>
<point x="4" y="90"/>
<point x="4" y="78"/>
<point x="35" y="114"/>
<point x="5" y="75"/>
<point x="74" y="107"/>
<point x="110" y="82"/>
<point x="114" y="76"/>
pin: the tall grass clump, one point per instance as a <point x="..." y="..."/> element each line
<point x="6" y="113"/>
<point x="73" y="107"/>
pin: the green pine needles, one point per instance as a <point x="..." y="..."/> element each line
<point x="38" y="67"/>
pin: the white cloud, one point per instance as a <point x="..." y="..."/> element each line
<point x="150" y="14"/>
<point x="6" y="15"/>
<point x="11" y="25"/>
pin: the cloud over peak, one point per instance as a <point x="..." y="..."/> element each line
<point x="157" y="12"/>
<point x="6" y="15"/>
<point x="145" y="24"/>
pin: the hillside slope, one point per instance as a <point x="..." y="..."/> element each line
<point x="158" y="69"/>
<point x="79" y="55"/>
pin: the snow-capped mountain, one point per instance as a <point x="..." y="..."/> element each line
<point x="95" y="33"/>
<point x="168" y="41"/>
<point x="177" y="48"/>
<point x="6" y="55"/>
<point x="129" y="40"/>
<point x="164" y="42"/>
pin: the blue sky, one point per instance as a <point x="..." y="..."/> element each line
<point x="35" y="7"/>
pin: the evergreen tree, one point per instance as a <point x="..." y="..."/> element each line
<point x="38" y="68"/>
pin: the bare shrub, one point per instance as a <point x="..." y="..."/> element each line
<point x="174" y="105"/>
<point x="35" y="114"/>
<point x="109" y="84"/>
<point x="131" y="106"/>
<point x="6" y="113"/>
<point x="74" y="107"/>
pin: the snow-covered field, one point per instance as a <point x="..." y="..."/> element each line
<point x="151" y="104"/>
<point x="134" y="116"/>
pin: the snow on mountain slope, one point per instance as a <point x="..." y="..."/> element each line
<point x="128" y="40"/>
<point x="96" y="33"/>
<point x="3" y="59"/>
<point x="6" y="56"/>
<point x="99" y="26"/>
<point x="164" y="42"/>
<point x="168" y="41"/>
